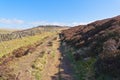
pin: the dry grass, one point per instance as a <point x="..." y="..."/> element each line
<point x="4" y="31"/>
<point x="8" y="46"/>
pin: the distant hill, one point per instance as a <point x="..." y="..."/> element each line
<point x="6" y="35"/>
<point x="52" y="26"/>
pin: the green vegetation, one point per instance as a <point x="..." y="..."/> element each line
<point x="83" y="69"/>
<point x="38" y="66"/>
<point x="39" y="62"/>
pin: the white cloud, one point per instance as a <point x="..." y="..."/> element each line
<point x="78" y="23"/>
<point x="11" y="21"/>
<point x="46" y="23"/>
<point x="16" y="23"/>
<point x="36" y="23"/>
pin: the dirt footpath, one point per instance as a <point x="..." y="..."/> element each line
<point x="57" y="67"/>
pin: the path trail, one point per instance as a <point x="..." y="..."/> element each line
<point x="57" y="67"/>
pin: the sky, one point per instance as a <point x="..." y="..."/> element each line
<point x="23" y="14"/>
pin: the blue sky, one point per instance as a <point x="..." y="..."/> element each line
<point x="21" y="14"/>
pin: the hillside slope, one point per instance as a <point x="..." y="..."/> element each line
<point x="100" y="41"/>
<point x="10" y="35"/>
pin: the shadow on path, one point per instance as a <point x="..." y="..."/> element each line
<point x="65" y="67"/>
